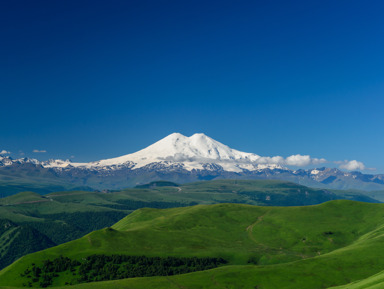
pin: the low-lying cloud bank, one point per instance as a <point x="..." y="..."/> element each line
<point x="294" y="160"/>
<point x="351" y="165"/>
<point x="306" y="160"/>
<point x="39" y="151"/>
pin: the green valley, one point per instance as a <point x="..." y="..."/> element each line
<point x="64" y="216"/>
<point x="266" y="247"/>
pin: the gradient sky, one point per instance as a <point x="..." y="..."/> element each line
<point x="100" y="79"/>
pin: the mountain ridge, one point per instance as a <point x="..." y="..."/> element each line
<point x="175" y="147"/>
<point x="182" y="159"/>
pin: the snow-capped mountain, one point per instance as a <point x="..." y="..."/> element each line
<point x="183" y="159"/>
<point x="8" y="161"/>
<point x="193" y="152"/>
<point x="189" y="153"/>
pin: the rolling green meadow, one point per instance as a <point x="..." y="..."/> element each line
<point x="271" y="234"/>
<point x="318" y="246"/>
<point x="33" y="222"/>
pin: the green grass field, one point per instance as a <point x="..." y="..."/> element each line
<point x="28" y="177"/>
<point x="373" y="282"/>
<point x="34" y="222"/>
<point x="319" y="246"/>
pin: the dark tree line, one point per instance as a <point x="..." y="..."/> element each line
<point x="103" y="267"/>
<point x="74" y="225"/>
<point x="134" y="205"/>
<point x="19" y="240"/>
<point x="292" y="197"/>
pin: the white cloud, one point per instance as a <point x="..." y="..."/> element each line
<point x="39" y="151"/>
<point x="371" y="169"/>
<point x="294" y="160"/>
<point x="270" y="160"/>
<point x="316" y="161"/>
<point x="298" y="160"/>
<point x="4" y="152"/>
<point x="351" y="165"/>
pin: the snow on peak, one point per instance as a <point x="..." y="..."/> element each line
<point x="193" y="152"/>
<point x="56" y="163"/>
<point x="314" y="172"/>
<point x="197" y="148"/>
<point x="8" y="161"/>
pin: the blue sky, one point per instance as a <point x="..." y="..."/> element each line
<point x="99" y="79"/>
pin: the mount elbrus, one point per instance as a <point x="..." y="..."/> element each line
<point x="179" y="159"/>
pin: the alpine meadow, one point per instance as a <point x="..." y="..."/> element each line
<point x="192" y="144"/>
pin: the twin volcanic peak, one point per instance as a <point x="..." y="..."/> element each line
<point x="182" y="159"/>
<point x="188" y="153"/>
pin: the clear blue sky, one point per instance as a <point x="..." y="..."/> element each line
<point x="99" y="79"/>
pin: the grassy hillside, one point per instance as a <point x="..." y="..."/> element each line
<point x="373" y="282"/>
<point x="378" y="195"/>
<point x="266" y="247"/>
<point x="17" y="241"/>
<point x="34" y="222"/>
<point x="64" y="216"/>
<point x="27" y="177"/>
<point x="254" y="192"/>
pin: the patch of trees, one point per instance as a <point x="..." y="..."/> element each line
<point x="88" y="221"/>
<point x="64" y="227"/>
<point x="45" y="274"/>
<point x="19" y="241"/>
<point x="292" y="197"/>
<point x="28" y="237"/>
<point x="134" y="205"/>
<point x="5" y="225"/>
<point x="102" y="267"/>
<point x="155" y="184"/>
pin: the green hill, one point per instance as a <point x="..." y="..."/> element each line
<point x="28" y="177"/>
<point x="373" y="282"/>
<point x="64" y="216"/>
<point x="253" y="192"/>
<point x="320" y="246"/>
<point x="17" y="241"/>
<point x="36" y="222"/>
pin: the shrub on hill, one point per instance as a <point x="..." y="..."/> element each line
<point x="104" y="267"/>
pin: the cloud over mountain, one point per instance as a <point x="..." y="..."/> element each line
<point x="293" y="160"/>
<point x="198" y="150"/>
<point x="351" y="165"/>
<point x="179" y="158"/>
<point x="39" y="151"/>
